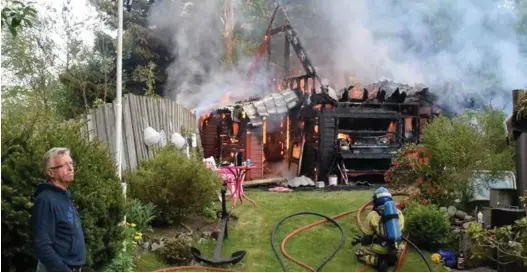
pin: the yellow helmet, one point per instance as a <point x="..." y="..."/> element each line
<point x="436" y="258"/>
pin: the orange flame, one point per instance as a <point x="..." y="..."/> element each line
<point x="356" y="93"/>
<point x="287" y="134"/>
<point x="235" y="128"/>
<point x="202" y="119"/>
<point x="391" y="129"/>
<point x="226" y="98"/>
<point x="408" y="124"/>
<point x="343" y="136"/>
<point x="264" y="130"/>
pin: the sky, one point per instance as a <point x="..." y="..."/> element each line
<point x="82" y="10"/>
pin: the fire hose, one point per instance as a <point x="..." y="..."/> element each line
<point x="359" y="211"/>
<point x="296" y="231"/>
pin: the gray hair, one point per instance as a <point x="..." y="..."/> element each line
<point x="52" y="153"/>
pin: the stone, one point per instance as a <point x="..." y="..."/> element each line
<point x="467" y="225"/>
<point x="146" y="245"/>
<point x="156" y="246"/>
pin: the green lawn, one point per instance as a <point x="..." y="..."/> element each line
<point x="253" y="229"/>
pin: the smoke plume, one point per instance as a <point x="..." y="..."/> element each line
<point x="461" y="49"/>
<point x="469" y="49"/>
<point x="193" y="32"/>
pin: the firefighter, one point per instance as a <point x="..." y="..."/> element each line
<point x="380" y="244"/>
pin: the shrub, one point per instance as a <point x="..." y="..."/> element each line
<point x="176" y="185"/>
<point x="509" y="240"/>
<point x="140" y="214"/>
<point x="428" y="227"/>
<point x="124" y="261"/>
<point x="177" y="251"/>
<point x="96" y="190"/>
<point x="410" y="165"/>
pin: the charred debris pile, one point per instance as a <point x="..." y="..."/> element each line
<point x="351" y="133"/>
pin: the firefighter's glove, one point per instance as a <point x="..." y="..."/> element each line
<point x="363" y="240"/>
<point x="356" y="240"/>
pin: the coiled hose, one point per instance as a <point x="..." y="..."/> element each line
<point x="358" y="219"/>
<point x="326" y="260"/>
<point x="298" y="230"/>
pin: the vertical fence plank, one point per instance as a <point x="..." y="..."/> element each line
<point x="110" y="127"/>
<point x="176" y="118"/>
<point x="90" y="118"/>
<point x="157" y="111"/>
<point x="143" y="123"/>
<point x="163" y="115"/>
<point x="101" y="127"/>
<point x="147" y="123"/>
<point x="124" y="141"/>
<point x="179" y="118"/>
<point x="129" y="133"/>
<point x="135" y="119"/>
<point x="171" y="117"/>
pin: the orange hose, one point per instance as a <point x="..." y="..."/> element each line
<point x="298" y="230"/>
<point x="293" y="233"/>
<point x="401" y="259"/>
<point x="359" y="211"/>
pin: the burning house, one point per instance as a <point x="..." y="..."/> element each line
<point x="305" y="127"/>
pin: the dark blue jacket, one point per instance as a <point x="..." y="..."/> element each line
<point x="57" y="229"/>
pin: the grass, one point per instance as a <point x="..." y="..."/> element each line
<point x="149" y="261"/>
<point x="252" y="231"/>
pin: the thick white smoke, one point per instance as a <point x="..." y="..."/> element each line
<point x="471" y="48"/>
<point x="459" y="48"/>
<point x="193" y="32"/>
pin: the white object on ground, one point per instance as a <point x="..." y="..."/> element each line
<point x="300" y="181"/>
<point x="332" y="180"/>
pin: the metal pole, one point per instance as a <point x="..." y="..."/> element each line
<point x="118" y="96"/>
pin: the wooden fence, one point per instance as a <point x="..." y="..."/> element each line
<point x="139" y="112"/>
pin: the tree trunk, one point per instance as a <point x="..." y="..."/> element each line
<point x="228" y="33"/>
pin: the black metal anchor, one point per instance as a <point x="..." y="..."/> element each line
<point x="223" y="234"/>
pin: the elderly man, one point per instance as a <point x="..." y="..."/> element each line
<point x="57" y="229"/>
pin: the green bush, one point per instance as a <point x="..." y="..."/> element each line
<point x="510" y="241"/>
<point x="124" y="261"/>
<point x="428" y="227"/>
<point x="177" y="251"/>
<point x="140" y="214"/>
<point x="176" y="185"/>
<point x="96" y="190"/>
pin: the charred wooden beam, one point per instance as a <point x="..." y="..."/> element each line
<point x="365" y="131"/>
<point x="286" y="57"/>
<point x="279" y="29"/>
<point x="292" y="36"/>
